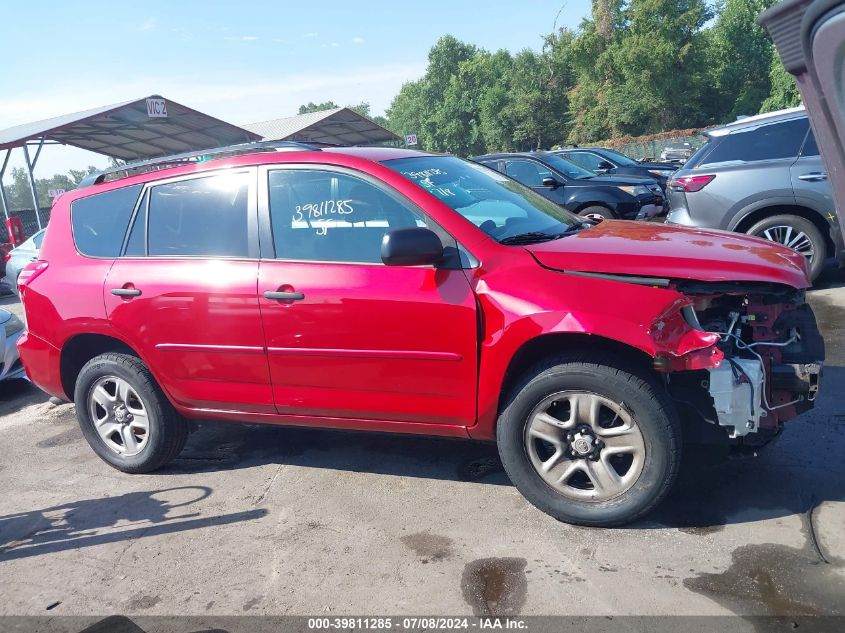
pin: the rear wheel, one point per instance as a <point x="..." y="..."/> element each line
<point x="799" y="234"/>
<point x="124" y="415"/>
<point x="597" y="212"/>
<point x="590" y="443"/>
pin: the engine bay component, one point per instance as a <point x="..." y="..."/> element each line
<point x="736" y="387"/>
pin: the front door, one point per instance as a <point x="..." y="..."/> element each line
<point x="347" y="336"/>
<point x="185" y="292"/>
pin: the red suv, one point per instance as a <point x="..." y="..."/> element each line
<point x="391" y="290"/>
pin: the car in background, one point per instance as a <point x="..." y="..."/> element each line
<point x="763" y="176"/>
<point x="808" y="36"/>
<point x="607" y="161"/>
<point x="677" y="153"/>
<point x="579" y="190"/>
<point x="11" y="328"/>
<point x="19" y="257"/>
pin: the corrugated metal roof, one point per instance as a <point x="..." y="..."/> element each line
<point x="338" y="126"/>
<point x="126" y="131"/>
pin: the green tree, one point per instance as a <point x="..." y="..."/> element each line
<point x="317" y="107"/>
<point x="784" y="92"/>
<point x="740" y="57"/>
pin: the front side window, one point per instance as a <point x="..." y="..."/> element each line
<point x="810" y="148"/>
<point x="330" y="216"/>
<point x="499" y="206"/>
<point x="588" y="160"/>
<point x="99" y="222"/>
<point x="201" y="217"/>
<point x="528" y="172"/>
<point x="764" y="142"/>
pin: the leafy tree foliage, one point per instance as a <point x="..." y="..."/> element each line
<point x="633" y="67"/>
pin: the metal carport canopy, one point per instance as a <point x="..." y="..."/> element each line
<point x="129" y="131"/>
<point x="337" y="126"/>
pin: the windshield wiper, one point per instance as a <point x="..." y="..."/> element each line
<point x="532" y="237"/>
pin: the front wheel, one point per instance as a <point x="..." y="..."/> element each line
<point x="124" y="415"/>
<point x="597" y="212"/>
<point x="590" y="443"/>
<point x="797" y="233"/>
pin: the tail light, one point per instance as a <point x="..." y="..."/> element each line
<point x="690" y="184"/>
<point x="30" y="272"/>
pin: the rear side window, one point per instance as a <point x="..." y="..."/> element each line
<point x="205" y="217"/>
<point x="99" y="221"/>
<point x="765" y="142"/>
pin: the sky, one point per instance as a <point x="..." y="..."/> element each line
<point x="240" y="61"/>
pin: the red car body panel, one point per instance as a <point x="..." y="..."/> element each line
<point x="373" y="347"/>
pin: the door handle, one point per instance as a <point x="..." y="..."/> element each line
<point x="125" y="292"/>
<point x="815" y="176"/>
<point x="283" y="296"/>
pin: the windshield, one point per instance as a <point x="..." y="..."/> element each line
<point x="567" y="167"/>
<point x="499" y="206"/>
<point x="619" y="158"/>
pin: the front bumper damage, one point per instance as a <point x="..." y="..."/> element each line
<point x="766" y="362"/>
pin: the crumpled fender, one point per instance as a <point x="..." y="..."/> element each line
<point x="523" y="302"/>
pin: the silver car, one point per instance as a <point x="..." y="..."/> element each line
<point x="19" y="257"/>
<point x="11" y="328"/>
<point x="761" y="175"/>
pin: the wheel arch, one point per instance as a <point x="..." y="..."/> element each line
<point x="81" y="348"/>
<point x="535" y="350"/>
<point x="750" y="218"/>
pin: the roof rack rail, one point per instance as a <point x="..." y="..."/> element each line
<point x="197" y="156"/>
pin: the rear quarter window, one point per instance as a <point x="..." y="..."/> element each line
<point x="99" y="222"/>
<point x="771" y="141"/>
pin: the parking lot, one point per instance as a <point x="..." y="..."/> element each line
<point x="263" y="520"/>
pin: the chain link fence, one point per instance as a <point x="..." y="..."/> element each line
<point x="651" y="146"/>
<point x="27" y="216"/>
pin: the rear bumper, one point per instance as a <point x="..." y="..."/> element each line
<point x="42" y="362"/>
<point x="10" y="364"/>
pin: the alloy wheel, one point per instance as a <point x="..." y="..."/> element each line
<point x="791" y="237"/>
<point x="119" y="415"/>
<point x="585" y="446"/>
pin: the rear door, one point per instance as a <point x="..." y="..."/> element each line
<point x="184" y="291"/>
<point x="810" y="182"/>
<point x="531" y="173"/>
<point x="350" y="337"/>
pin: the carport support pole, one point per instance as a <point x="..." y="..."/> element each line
<point x="3" y="201"/>
<point x="32" y="183"/>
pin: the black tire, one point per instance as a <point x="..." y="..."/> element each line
<point x="642" y="397"/>
<point x="598" y="210"/>
<point x="168" y="431"/>
<point x="815" y="264"/>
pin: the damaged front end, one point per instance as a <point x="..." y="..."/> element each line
<point x="765" y="363"/>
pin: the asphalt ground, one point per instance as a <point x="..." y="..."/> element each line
<point x="266" y="520"/>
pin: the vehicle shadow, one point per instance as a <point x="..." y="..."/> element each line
<point x="789" y="477"/>
<point x="19" y="393"/>
<point x="92" y="522"/>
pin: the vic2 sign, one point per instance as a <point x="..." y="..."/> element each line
<point x="156" y="108"/>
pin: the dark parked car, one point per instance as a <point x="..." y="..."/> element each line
<point x="761" y="175"/>
<point x="579" y="190"/>
<point x="608" y="161"/>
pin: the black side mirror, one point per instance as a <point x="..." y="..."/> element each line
<point x="603" y="167"/>
<point x="411" y="247"/>
<point x="549" y="181"/>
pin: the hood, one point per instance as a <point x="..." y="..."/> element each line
<point x="661" y="166"/>
<point x="615" y="180"/>
<point x="646" y="249"/>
